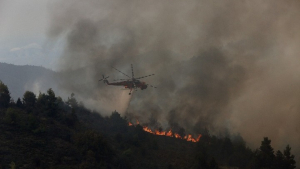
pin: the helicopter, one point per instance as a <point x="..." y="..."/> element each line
<point x="131" y="83"/>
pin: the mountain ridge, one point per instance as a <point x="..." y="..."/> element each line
<point x="20" y="78"/>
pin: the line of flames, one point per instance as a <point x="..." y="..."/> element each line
<point x="169" y="133"/>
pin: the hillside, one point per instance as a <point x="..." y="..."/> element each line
<point x="22" y="78"/>
<point x="46" y="132"/>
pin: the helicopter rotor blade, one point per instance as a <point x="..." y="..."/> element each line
<point x="121" y="72"/>
<point x="120" y="79"/>
<point x="132" y="71"/>
<point x="144" y="76"/>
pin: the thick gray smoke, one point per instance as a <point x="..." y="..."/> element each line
<point x="219" y="64"/>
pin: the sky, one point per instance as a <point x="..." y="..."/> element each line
<point x="23" y="33"/>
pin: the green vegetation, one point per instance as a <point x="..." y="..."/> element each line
<point x="4" y="96"/>
<point x="46" y="132"/>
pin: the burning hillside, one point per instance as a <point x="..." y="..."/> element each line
<point x="169" y="133"/>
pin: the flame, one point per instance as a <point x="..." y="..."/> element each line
<point x="177" y="136"/>
<point x="189" y="138"/>
<point x="161" y="133"/>
<point x="145" y="128"/>
<point x="169" y="133"/>
<point x="198" y="138"/>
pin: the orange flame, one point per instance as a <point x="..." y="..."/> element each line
<point x="177" y="136"/>
<point x="169" y="133"/>
<point x="198" y="138"/>
<point x="189" y="138"/>
<point x="161" y="133"/>
<point x="145" y="128"/>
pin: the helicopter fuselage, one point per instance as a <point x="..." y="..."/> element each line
<point x="131" y="83"/>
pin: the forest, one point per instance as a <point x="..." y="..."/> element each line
<point x="45" y="131"/>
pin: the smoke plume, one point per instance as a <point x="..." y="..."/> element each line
<point x="223" y="65"/>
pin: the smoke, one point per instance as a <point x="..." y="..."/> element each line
<point x="223" y="65"/>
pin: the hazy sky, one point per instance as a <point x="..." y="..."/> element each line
<point x="23" y="27"/>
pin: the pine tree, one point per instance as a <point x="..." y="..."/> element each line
<point x="289" y="162"/>
<point x="4" y="95"/>
<point x="19" y="103"/>
<point x="279" y="160"/>
<point x="51" y="104"/>
<point x="29" y="99"/>
<point x="266" y="154"/>
<point x="72" y="101"/>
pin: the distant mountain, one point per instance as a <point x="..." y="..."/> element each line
<point x="22" y="78"/>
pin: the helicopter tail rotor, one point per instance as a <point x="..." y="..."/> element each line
<point x="104" y="79"/>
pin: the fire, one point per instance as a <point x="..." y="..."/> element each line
<point x="145" y="128"/>
<point x="161" y="133"/>
<point x="169" y="133"/>
<point x="198" y="138"/>
<point x="177" y="136"/>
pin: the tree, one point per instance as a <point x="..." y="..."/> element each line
<point x="48" y="103"/>
<point x="118" y="123"/>
<point x="60" y="102"/>
<point x="51" y="95"/>
<point x="12" y="103"/>
<point x="202" y="156"/>
<point x="19" y="103"/>
<point x="72" y="101"/>
<point x="285" y="160"/>
<point x="289" y="162"/>
<point x="4" y="95"/>
<point x="71" y="119"/>
<point x="41" y="101"/>
<point x="227" y="147"/>
<point x="93" y="141"/>
<point x="29" y="99"/>
<point x="11" y="116"/>
<point x="51" y="104"/>
<point x="266" y="154"/>
<point x="279" y="160"/>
